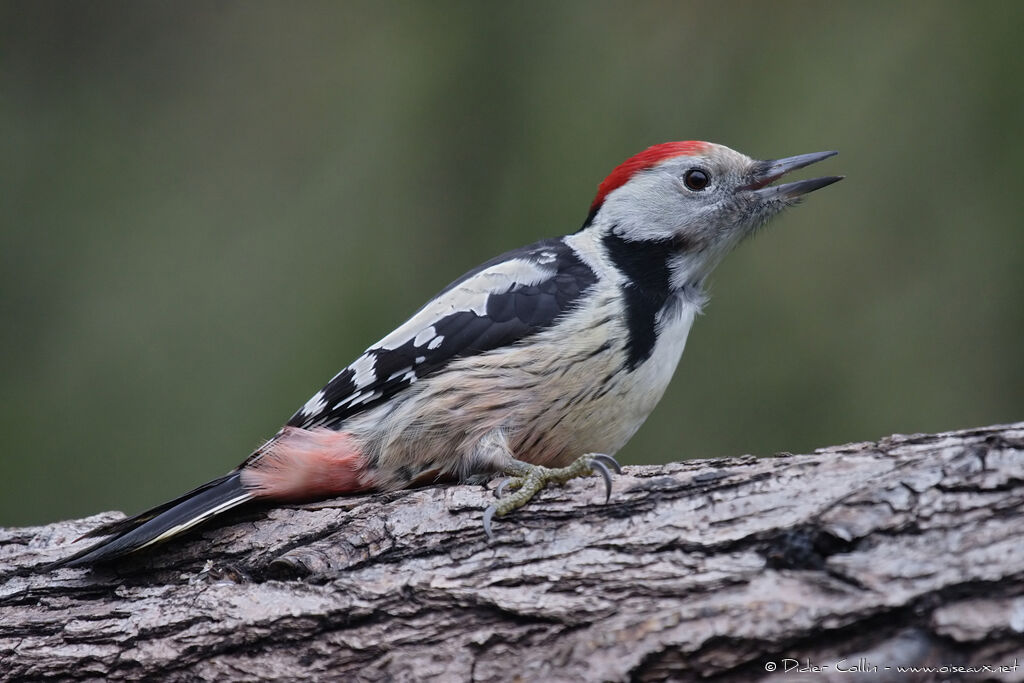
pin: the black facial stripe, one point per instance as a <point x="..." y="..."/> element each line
<point x="646" y="289"/>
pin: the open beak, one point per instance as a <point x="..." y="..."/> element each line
<point x="767" y="172"/>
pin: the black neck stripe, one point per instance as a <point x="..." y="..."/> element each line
<point x="646" y="289"/>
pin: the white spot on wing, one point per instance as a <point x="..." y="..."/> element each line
<point x="398" y="373"/>
<point x="366" y="398"/>
<point x="363" y="368"/>
<point x="469" y="295"/>
<point x="314" y="405"/>
<point x="424" y="335"/>
<point x="546" y="257"/>
<point x="350" y="399"/>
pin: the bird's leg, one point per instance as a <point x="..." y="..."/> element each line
<point x="526" y="480"/>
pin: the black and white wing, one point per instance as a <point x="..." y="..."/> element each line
<point x="496" y="304"/>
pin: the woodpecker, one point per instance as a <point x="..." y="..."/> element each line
<point x="539" y="364"/>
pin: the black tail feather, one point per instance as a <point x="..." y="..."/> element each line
<point x="129" y="523"/>
<point x="160" y="523"/>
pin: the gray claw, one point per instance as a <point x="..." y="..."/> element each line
<point x="501" y="487"/>
<point x="603" y="471"/>
<point x="488" y="514"/>
<point x="608" y="460"/>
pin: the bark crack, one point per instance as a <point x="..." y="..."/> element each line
<point x="905" y="551"/>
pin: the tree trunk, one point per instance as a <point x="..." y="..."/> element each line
<point x="903" y="552"/>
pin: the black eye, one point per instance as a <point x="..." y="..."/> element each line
<point x="696" y="179"/>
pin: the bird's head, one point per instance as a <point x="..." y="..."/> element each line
<point x="698" y="199"/>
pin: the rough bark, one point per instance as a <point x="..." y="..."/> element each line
<point x="907" y="551"/>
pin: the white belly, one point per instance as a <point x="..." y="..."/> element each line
<point x="607" y="422"/>
<point x="556" y="396"/>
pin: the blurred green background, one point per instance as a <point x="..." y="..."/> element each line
<point x="208" y="209"/>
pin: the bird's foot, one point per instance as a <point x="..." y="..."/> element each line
<point x="526" y="480"/>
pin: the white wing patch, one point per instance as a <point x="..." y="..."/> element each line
<point x="469" y="295"/>
<point x="434" y="333"/>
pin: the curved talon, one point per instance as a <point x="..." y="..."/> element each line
<point x="502" y="486"/>
<point x="602" y="469"/>
<point x="488" y="514"/>
<point x="527" y="479"/>
<point x="608" y="460"/>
